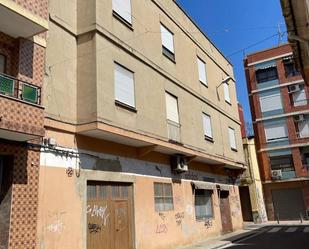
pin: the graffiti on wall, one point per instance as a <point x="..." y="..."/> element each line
<point x="55" y="224"/>
<point x="100" y="212"/>
<point x="161" y="228"/>
<point x="179" y="217"/>
<point x="208" y="223"/>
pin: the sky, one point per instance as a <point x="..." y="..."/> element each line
<point x="234" y="25"/>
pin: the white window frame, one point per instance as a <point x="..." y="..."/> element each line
<point x="232" y="138"/>
<point x="123" y="9"/>
<point x="270" y="106"/>
<point x="202" y="71"/>
<point x="207" y="121"/>
<point x="171" y="115"/>
<point x="269" y="138"/>
<point x="167" y="41"/>
<point x="226" y="90"/>
<point x="130" y="84"/>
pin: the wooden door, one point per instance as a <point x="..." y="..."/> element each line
<point x="109" y="215"/>
<point x="225" y="211"/>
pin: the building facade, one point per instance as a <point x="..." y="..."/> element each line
<point x="279" y="105"/>
<point x="22" y="54"/>
<point x="251" y="188"/>
<point x="143" y="144"/>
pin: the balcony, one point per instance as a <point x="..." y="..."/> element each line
<point x="16" y="21"/>
<point x="173" y="131"/>
<point x="283" y="174"/>
<point x="21" y="113"/>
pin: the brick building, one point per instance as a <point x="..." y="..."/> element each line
<point x="279" y="105"/>
<point x="22" y="51"/>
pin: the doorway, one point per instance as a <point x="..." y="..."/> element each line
<point x="225" y="211"/>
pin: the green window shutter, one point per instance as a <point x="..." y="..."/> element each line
<point x="30" y="93"/>
<point x="6" y="85"/>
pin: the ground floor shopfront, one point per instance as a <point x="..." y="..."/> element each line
<point x="93" y="199"/>
<point x="287" y="200"/>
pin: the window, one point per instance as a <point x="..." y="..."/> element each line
<point x="2" y="63"/>
<point x="203" y="204"/>
<point x="266" y="74"/>
<point x="167" y="43"/>
<point x="207" y="126"/>
<point x="289" y="67"/>
<point x="298" y="98"/>
<point x="271" y="102"/>
<point x="6" y="85"/>
<point x="226" y="92"/>
<point x="284" y="163"/>
<point x="30" y="93"/>
<point x="172" y="107"/>
<point x="276" y="131"/>
<point x="163" y="194"/>
<point x="202" y="71"/>
<point x="303" y="128"/>
<point x="122" y="8"/>
<point x="232" y="138"/>
<point x="124" y="86"/>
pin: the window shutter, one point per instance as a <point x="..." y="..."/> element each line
<point x="277" y="131"/>
<point x="232" y="138"/>
<point x="226" y="92"/>
<point x="271" y="102"/>
<point x="167" y="39"/>
<point x="202" y="71"/>
<point x="207" y="125"/>
<point x="303" y="128"/>
<point x="123" y="8"/>
<point x="124" y="86"/>
<point x="172" y="108"/>
<point x="2" y="63"/>
<point x="299" y="98"/>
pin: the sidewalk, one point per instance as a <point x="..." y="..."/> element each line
<point x="250" y="229"/>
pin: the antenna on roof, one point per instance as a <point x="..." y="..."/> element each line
<point x="280" y="35"/>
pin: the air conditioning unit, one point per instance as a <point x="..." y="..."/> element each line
<point x="299" y="118"/>
<point x="294" y="88"/>
<point x="179" y="163"/>
<point x="276" y="174"/>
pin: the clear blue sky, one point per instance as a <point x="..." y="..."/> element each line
<point x="236" y="24"/>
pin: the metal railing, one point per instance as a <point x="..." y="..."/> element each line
<point x="19" y="89"/>
<point x="173" y="130"/>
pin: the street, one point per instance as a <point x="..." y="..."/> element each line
<point x="287" y="237"/>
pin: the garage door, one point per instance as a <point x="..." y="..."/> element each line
<point x="109" y="215"/>
<point x="288" y="203"/>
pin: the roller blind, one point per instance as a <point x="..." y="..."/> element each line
<point x="232" y="138"/>
<point x="226" y="92"/>
<point x="124" y="85"/>
<point x="207" y="125"/>
<point x="276" y="131"/>
<point x="202" y="71"/>
<point x="123" y="9"/>
<point x="167" y="39"/>
<point x="171" y="108"/>
<point x="2" y="63"/>
<point x="271" y="102"/>
<point x="299" y="98"/>
<point x="303" y="128"/>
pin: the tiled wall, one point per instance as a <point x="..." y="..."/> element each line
<point x="37" y="7"/>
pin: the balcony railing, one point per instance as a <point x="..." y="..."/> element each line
<point x="173" y="130"/>
<point x="19" y="89"/>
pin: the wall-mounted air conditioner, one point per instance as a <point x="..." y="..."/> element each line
<point x="294" y="88"/>
<point x="276" y="174"/>
<point x="179" y="163"/>
<point x="299" y="118"/>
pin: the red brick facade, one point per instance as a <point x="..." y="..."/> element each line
<point x="276" y="54"/>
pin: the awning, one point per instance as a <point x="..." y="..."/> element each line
<point x="203" y="185"/>
<point x="288" y="58"/>
<point x="265" y="65"/>
<point x="223" y="187"/>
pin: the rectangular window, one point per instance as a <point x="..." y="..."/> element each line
<point x="289" y="67"/>
<point x="226" y="92"/>
<point x="167" y="42"/>
<point x="124" y="86"/>
<point x="163" y="195"/>
<point x="30" y="93"/>
<point x="123" y="9"/>
<point x="232" y="138"/>
<point x="203" y="204"/>
<point x="2" y="63"/>
<point x="303" y="129"/>
<point x="207" y="126"/>
<point x="202" y="71"/>
<point x="172" y="107"/>
<point x="284" y="163"/>
<point x="299" y="97"/>
<point x="6" y="85"/>
<point x="271" y="102"/>
<point x="266" y="74"/>
<point x="277" y="131"/>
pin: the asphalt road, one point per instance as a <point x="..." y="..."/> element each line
<point x="277" y="237"/>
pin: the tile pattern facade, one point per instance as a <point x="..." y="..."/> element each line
<point x="24" y="203"/>
<point x="37" y="7"/>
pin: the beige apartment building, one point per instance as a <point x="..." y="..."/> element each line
<point x="143" y="144"/>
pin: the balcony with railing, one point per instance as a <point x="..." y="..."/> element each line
<point x="18" y="21"/>
<point x="282" y="167"/>
<point x="21" y="113"/>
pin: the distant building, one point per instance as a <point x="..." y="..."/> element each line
<point x="279" y="106"/>
<point x="296" y="14"/>
<point x="251" y="190"/>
